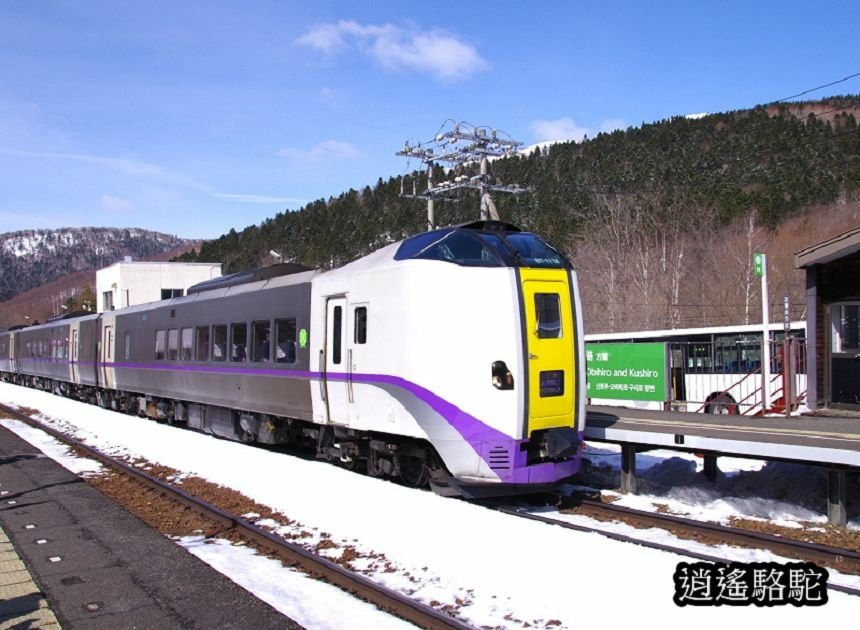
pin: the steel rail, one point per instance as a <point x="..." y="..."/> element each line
<point x="840" y="559"/>
<point x="386" y="599"/>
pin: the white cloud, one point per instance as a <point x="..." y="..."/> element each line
<point x="260" y="199"/>
<point x="566" y="129"/>
<point x="115" y="205"/>
<point x="123" y="165"/>
<point x="558" y="130"/>
<point x="612" y="124"/>
<point x="434" y="52"/>
<point x="330" y="149"/>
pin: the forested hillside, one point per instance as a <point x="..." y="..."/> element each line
<point x="32" y="258"/>
<point x="651" y="215"/>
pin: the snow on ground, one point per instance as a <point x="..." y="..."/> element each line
<point x="310" y="603"/>
<point x="507" y="571"/>
<point x="782" y="493"/>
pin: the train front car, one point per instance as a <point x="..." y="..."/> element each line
<point x="467" y="340"/>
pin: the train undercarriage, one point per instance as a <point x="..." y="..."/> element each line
<point x="413" y="462"/>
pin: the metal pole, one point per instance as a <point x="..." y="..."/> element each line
<point x="787" y="362"/>
<point x="765" y="349"/>
<point x="836" y="512"/>
<point x="628" y="468"/>
<point x="431" y="219"/>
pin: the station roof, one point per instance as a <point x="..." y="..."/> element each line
<point x="827" y="251"/>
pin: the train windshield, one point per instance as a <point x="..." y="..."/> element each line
<point x="474" y="248"/>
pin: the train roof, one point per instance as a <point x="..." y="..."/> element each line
<point x="294" y="277"/>
<point x="251" y="275"/>
<point x="490" y="244"/>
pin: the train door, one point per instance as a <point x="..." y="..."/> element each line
<point x="550" y="348"/>
<point x="107" y="359"/>
<point x="13" y="342"/>
<point x="74" y="351"/>
<point x="337" y="368"/>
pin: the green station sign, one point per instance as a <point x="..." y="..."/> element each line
<point x="626" y="371"/>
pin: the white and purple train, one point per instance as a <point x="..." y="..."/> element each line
<point x="454" y="358"/>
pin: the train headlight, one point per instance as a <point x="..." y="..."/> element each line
<point x="502" y="377"/>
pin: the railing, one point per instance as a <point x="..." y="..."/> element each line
<point x="727" y="378"/>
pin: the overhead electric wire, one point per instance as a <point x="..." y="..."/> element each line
<point x="820" y="87"/>
<point x="755" y="156"/>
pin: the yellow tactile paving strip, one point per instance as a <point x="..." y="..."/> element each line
<point x="21" y="602"/>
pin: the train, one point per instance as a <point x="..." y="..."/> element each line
<point x="453" y="358"/>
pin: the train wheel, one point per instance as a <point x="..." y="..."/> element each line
<point x="722" y="404"/>
<point x="350" y="464"/>
<point x="414" y="472"/>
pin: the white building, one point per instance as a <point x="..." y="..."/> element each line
<point x="131" y="283"/>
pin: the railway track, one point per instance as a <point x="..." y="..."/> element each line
<point x="386" y="599"/>
<point x="709" y="533"/>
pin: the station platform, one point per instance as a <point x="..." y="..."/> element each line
<point x="829" y="441"/>
<point x="81" y="561"/>
<point x="22" y="604"/>
<point x="809" y="439"/>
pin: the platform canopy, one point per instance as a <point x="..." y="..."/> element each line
<point x="832" y="249"/>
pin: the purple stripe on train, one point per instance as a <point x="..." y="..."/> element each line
<point x="487" y="442"/>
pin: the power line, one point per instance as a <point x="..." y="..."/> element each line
<point x="842" y="80"/>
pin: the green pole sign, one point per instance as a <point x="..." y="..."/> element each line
<point x="758" y="264"/>
<point x="626" y="371"/>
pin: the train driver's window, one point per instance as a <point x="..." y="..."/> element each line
<point x="219" y="343"/>
<point x="160" y="344"/>
<point x="285" y="340"/>
<point x="548" y="311"/>
<point x="260" y="342"/>
<point x="239" y="342"/>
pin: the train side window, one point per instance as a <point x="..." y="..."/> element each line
<point x="127" y="354"/>
<point x="239" y="342"/>
<point x="160" y="344"/>
<point x="260" y="341"/>
<point x="360" y="333"/>
<point x="187" y="344"/>
<point x="173" y="344"/>
<point x="285" y="341"/>
<point x="548" y="312"/>
<point x="219" y="342"/>
<point x="202" y="343"/>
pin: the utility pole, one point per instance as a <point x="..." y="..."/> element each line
<point x="462" y="145"/>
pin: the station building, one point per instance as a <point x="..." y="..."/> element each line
<point x="833" y="321"/>
<point x="131" y="283"/>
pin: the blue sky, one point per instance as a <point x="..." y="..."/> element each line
<point x="193" y="117"/>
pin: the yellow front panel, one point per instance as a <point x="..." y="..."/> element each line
<point x="550" y="346"/>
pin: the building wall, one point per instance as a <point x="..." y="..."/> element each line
<point x="133" y="283"/>
<point x="828" y="283"/>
